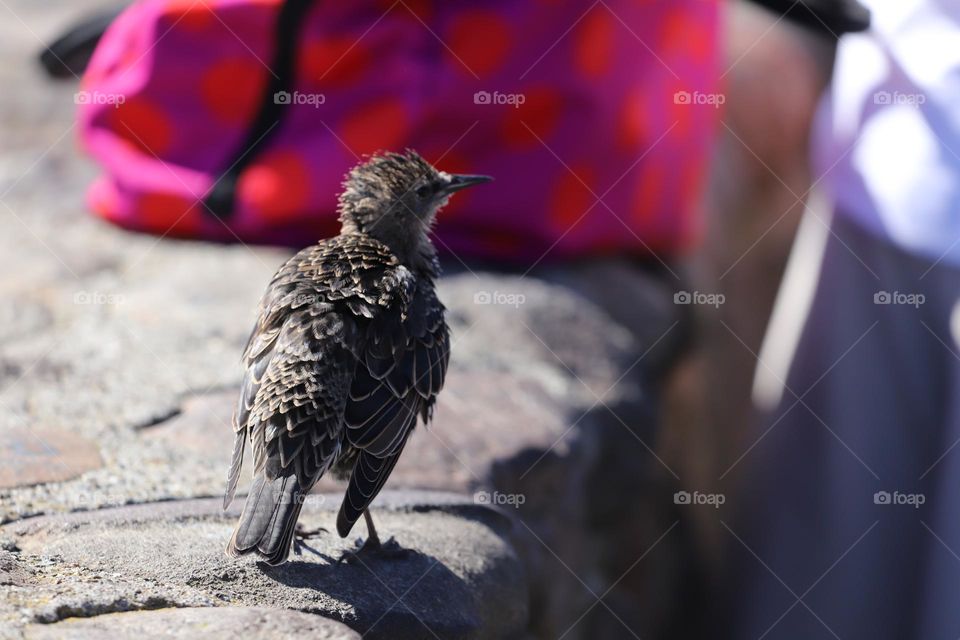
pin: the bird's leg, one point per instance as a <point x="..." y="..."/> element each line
<point x="373" y="540"/>
<point x="372" y="545"/>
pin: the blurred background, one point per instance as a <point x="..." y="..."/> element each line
<point x="705" y="323"/>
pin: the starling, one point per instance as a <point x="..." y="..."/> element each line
<point x="350" y="347"/>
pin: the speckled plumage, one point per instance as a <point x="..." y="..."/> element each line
<point x="349" y="349"/>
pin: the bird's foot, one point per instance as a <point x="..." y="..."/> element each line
<point x="300" y="534"/>
<point x="373" y="548"/>
<point x="303" y="533"/>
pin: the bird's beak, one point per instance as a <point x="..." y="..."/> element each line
<point x="462" y="181"/>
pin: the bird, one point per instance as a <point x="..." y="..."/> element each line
<point x="349" y="350"/>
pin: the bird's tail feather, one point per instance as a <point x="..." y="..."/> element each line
<point x="369" y="475"/>
<point x="268" y="520"/>
<point x="234" y="474"/>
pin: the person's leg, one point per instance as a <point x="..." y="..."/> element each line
<point x="938" y="615"/>
<point x="817" y="553"/>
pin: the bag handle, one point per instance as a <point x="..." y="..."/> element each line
<point x="68" y="55"/>
<point x="220" y="199"/>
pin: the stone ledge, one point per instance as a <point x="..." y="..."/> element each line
<point x="460" y="579"/>
<point x="202" y="624"/>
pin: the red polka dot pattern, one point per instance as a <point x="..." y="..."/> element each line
<point x="533" y="122"/>
<point x="231" y="89"/>
<point x="195" y="15"/>
<point x="142" y="124"/>
<point x="594" y="47"/>
<point x="378" y="125"/>
<point x="631" y="126"/>
<point x="169" y="214"/>
<point x="571" y="197"/>
<point x="524" y="91"/>
<point x="688" y="38"/>
<point x="479" y="41"/>
<point x="335" y="61"/>
<point x="414" y="9"/>
<point x="277" y="186"/>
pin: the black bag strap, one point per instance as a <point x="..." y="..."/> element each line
<point x="290" y="21"/>
<point x="828" y="17"/>
<point x="68" y="55"/>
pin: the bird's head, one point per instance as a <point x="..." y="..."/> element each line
<point x="394" y="197"/>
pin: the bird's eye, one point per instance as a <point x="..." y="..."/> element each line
<point x="423" y="191"/>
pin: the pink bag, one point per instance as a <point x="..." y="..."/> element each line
<point x="235" y="120"/>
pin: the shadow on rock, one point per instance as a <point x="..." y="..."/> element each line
<point x="390" y="596"/>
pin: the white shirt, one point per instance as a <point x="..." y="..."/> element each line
<point x="888" y="132"/>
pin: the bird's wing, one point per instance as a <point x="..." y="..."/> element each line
<point x="301" y="357"/>
<point x="398" y="377"/>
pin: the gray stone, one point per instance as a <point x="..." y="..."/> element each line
<point x="35" y="455"/>
<point x="523" y="418"/>
<point x="202" y="624"/>
<point x="196" y="427"/>
<point x="11" y="572"/>
<point x="458" y="577"/>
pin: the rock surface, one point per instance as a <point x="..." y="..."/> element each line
<point x="456" y="576"/>
<point x="202" y="624"/>
<point x="34" y="456"/>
